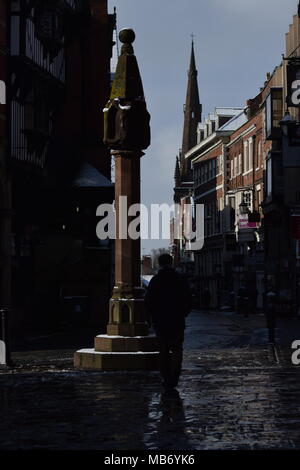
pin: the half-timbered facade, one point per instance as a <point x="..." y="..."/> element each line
<point x="5" y="182"/>
<point x="58" y="82"/>
<point x="38" y="34"/>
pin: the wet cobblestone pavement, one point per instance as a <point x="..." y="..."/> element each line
<point x="234" y="393"/>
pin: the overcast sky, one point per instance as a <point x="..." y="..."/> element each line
<point x="236" y="43"/>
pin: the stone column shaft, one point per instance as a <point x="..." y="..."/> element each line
<point x="127" y="251"/>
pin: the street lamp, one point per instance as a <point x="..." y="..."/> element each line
<point x="286" y="122"/>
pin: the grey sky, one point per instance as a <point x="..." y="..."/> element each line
<point x="236" y="43"/>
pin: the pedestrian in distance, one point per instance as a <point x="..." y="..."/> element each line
<point x="168" y="301"/>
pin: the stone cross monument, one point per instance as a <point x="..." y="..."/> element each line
<point x="127" y="344"/>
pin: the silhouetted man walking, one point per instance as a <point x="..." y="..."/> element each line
<point x="168" y="302"/>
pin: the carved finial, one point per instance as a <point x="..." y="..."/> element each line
<point x="127" y="37"/>
<point x="126" y="119"/>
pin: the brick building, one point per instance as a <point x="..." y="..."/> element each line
<point x="246" y="171"/>
<point x="209" y="161"/>
<point x="282" y="173"/>
<point x="244" y="195"/>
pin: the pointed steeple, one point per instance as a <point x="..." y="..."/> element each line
<point x="192" y="111"/>
<point x="177" y="173"/>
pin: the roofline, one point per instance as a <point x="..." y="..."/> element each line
<point x="198" y="157"/>
<point x="216" y="135"/>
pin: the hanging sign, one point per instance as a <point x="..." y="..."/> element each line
<point x="244" y="222"/>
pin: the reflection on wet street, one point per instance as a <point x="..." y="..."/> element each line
<point x="244" y="409"/>
<point x="228" y="398"/>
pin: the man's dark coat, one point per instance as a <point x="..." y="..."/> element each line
<point x="168" y="301"/>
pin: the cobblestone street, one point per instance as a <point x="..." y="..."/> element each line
<point x="235" y="392"/>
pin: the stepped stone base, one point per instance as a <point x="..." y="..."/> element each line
<point x="113" y="343"/>
<point x="100" y="360"/>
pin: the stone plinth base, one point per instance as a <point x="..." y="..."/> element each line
<point x="91" y="359"/>
<point x="127" y="329"/>
<point x="108" y="343"/>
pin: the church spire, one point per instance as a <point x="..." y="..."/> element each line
<point x="177" y="173"/>
<point x="192" y="110"/>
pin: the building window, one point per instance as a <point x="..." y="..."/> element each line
<point x="202" y="174"/>
<point x="240" y="163"/>
<point x="231" y="169"/>
<point x="250" y="153"/>
<point x="268" y="115"/>
<point x="206" y="130"/>
<point x="273" y="113"/>
<point x="214" y="167"/>
<point x="248" y="199"/>
<point x="231" y="213"/>
<point x="259" y="199"/>
<point x="206" y="172"/>
<point x="259" y="154"/>
<point x="246" y="157"/>
<point x="235" y="166"/>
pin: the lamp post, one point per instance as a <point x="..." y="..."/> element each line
<point x="126" y="133"/>
<point x="285" y="123"/>
<point x="243" y="208"/>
